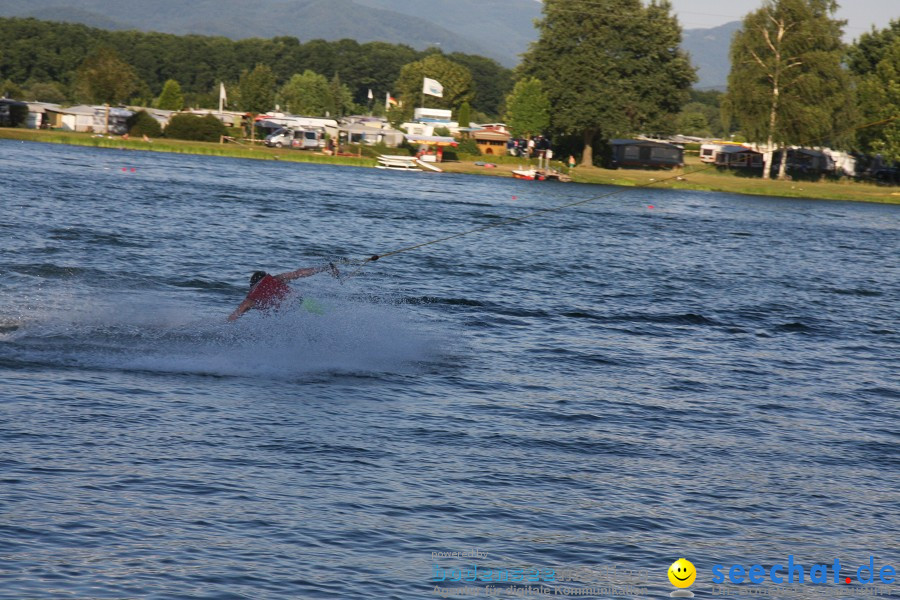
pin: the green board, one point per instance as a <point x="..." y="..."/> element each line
<point x="313" y="306"/>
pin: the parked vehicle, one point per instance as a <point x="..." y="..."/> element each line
<point x="302" y="139"/>
<point x="889" y="175"/>
<point x="645" y="154"/>
<point x="709" y="150"/>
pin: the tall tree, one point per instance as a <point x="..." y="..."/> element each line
<point x="257" y="88"/>
<point x="875" y="64"/>
<point x="455" y="78"/>
<point x="609" y="67"/>
<point x="10" y="89"/>
<point x="692" y="121"/>
<point x="464" y="116"/>
<point x="171" y="97"/>
<point x="341" y="100"/>
<point x="705" y="106"/>
<point x="46" y="92"/>
<point x="527" y="109"/>
<point x="871" y="48"/>
<point x="492" y="81"/>
<point x="787" y="84"/>
<point x="307" y="94"/>
<point x="104" y="77"/>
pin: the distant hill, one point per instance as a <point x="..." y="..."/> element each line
<point x="504" y="26"/>
<point x="499" y="29"/>
<point x="709" y="53"/>
<point x="69" y="14"/>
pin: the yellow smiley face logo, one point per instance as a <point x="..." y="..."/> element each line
<point x="682" y="573"/>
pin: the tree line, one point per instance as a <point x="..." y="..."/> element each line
<point x="601" y="72"/>
<point x="794" y="82"/>
<point x="600" y="69"/>
<point x="48" y="60"/>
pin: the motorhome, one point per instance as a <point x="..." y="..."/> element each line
<point x="301" y="139"/>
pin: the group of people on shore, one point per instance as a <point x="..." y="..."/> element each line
<point x="537" y="146"/>
<point x="529" y="147"/>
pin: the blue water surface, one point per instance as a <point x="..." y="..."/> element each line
<point x="715" y="377"/>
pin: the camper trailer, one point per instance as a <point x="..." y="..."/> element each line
<point x="708" y="151"/>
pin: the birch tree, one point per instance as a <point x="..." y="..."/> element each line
<point x="787" y="84"/>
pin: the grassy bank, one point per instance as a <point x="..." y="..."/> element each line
<point x="699" y="176"/>
<point x="694" y="176"/>
<point x="232" y="150"/>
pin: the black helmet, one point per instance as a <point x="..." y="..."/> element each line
<point x="257" y="275"/>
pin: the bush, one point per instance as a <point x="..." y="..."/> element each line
<point x="46" y="92"/>
<point x="468" y="146"/>
<point x="195" y="128"/>
<point x="141" y="123"/>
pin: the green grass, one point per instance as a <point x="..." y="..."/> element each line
<point x="694" y="176"/>
<point x="699" y="176"/>
<point x="232" y="150"/>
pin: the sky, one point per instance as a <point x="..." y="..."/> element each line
<point x="859" y="14"/>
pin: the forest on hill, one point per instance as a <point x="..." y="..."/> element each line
<point x="40" y="60"/>
<point x="451" y="26"/>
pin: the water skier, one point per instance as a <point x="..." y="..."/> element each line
<point x="269" y="291"/>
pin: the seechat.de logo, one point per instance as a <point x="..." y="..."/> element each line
<point x="793" y="572"/>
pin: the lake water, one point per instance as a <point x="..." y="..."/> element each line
<point x="653" y="375"/>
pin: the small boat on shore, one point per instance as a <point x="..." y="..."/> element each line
<point x="396" y="162"/>
<point x="543" y="172"/>
<point x="540" y="175"/>
<point x="528" y="174"/>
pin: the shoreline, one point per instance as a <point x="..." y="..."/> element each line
<point x="694" y="175"/>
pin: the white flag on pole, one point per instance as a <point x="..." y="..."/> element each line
<point x="432" y="88"/>
<point x="222" y="97"/>
<point x="370" y="94"/>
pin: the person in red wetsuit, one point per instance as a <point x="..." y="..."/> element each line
<point x="269" y="291"/>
